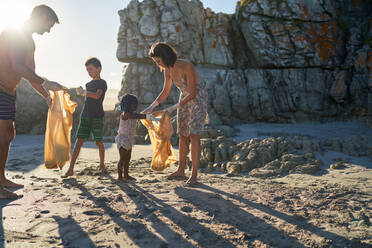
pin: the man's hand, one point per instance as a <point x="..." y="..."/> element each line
<point x="80" y="91"/>
<point x="150" y="108"/>
<point x="49" y="102"/>
<point x="172" y="108"/>
<point x="53" y="86"/>
<point x="152" y="118"/>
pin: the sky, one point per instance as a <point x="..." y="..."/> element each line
<point x="88" y="28"/>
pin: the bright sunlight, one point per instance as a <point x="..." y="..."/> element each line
<point x="13" y="13"/>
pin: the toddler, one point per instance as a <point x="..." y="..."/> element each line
<point x="126" y="133"/>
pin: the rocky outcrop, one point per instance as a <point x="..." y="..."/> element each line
<point x="272" y="61"/>
<point x="292" y="33"/>
<point x="198" y="35"/>
<point x="273" y="157"/>
<point x="275" y="61"/>
<point x="31" y="112"/>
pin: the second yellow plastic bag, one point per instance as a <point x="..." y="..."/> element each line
<point x="160" y="134"/>
<point x="58" y="130"/>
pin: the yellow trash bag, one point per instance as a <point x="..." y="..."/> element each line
<point x="58" y="130"/>
<point x="160" y="134"/>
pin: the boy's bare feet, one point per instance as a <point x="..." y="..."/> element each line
<point x="6" y="194"/>
<point x="191" y="181"/>
<point x="68" y="174"/>
<point x="177" y="175"/>
<point x="9" y="184"/>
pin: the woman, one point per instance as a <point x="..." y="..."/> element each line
<point x="192" y="106"/>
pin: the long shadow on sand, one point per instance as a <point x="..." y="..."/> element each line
<point x="138" y="232"/>
<point x="225" y="212"/>
<point x="70" y="232"/>
<point x="191" y="226"/>
<point x="200" y="199"/>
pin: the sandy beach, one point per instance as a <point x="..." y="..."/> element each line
<point x="329" y="209"/>
<point x="275" y="97"/>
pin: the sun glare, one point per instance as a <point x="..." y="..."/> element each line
<point x="12" y="13"/>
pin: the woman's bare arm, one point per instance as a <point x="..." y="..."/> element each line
<point x="166" y="87"/>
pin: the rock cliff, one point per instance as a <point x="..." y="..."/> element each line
<point x="270" y="61"/>
<point x="273" y="61"/>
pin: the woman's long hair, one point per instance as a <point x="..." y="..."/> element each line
<point x="164" y="51"/>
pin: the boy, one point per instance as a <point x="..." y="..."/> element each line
<point x="91" y="120"/>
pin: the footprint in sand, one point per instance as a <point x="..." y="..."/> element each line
<point x="18" y="177"/>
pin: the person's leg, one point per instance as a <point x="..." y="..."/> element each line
<point x="7" y="134"/>
<point x="183" y="151"/>
<point x="79" y="143"/>
<point x="101" y="149"/>
<point x="121" y="163"/>
<point x="83" y="133"/>
<point x="128" y="154"/>
<point x="195" y="157"/>
<point x="97" y="130"/>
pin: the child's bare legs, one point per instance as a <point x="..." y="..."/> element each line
<point x="120" y="169"/>
<point x="123" y="163"/>
<point x="101" y="149"/>
<point x="183" y="151"/>
<point x="195" y="157"/>
<point x="79" y="143"/>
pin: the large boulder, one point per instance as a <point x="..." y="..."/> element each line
<point x="177" y="22"/>
<point x="276" y="61"/>
<point x="272" y="61"/>
<point x="292" y="33"/>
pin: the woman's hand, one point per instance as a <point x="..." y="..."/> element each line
<point x="150" y="108"/>
<point x="152" y="118"/>
<point x="172" y="108"/>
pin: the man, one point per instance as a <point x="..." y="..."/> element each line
<point x="17" y="50"/>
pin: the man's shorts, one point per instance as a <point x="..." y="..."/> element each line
<point x="90" y="125"/>
<point x="7" y="106"/>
